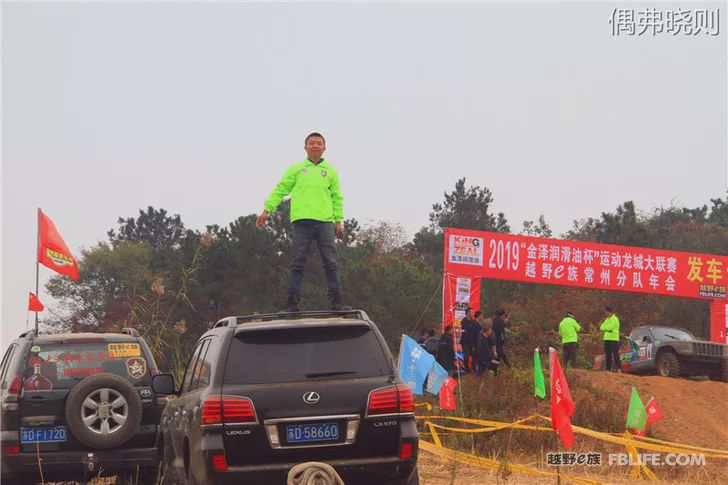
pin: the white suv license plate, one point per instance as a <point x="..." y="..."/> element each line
<point x="303" y="433"/>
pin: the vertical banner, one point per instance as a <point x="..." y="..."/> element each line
<point x="459" y="292"/>
<point x="719" y="321"/>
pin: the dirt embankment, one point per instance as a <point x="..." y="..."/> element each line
<point x="695" y="413"/>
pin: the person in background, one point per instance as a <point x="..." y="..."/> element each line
<point x="500" y="323"/>
<point x="486" y="352"/>
<point x="469" y="333"/>
<point x="446" y="351"/>
<point x="432" y="342"/>
<point x="425" y="335"/>
<point x="569" y="330"/>
<point x="610" y="327"/>
<point x="480" y="318"/>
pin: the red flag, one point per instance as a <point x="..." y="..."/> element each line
<point x="52" y="250"/>
<point x="654" y="413"/>
<point x="447" y="394"/>
<point x="34" y="304"/>
<point x="598" y="361"/>
<point x="562" y="406"/>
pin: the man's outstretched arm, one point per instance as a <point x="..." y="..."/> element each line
<point x="281" y="190"/>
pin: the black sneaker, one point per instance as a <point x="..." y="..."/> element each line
<point x="292" y="304"/>
<point x="335" y="299"/>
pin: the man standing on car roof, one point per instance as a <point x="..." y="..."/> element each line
<point x="317" y="212"/>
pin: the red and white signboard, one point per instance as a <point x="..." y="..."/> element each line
<point x="459" y="293"/>
<point x="719" y="321"/>
<point x="587" y="265"/>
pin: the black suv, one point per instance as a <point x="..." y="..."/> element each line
<point x="264" y="393"/>
<point x="79" y="405"/>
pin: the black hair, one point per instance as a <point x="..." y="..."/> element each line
<point x="314" y="134"/>
<point x="478" y="313"/>
<point x="500" y="312"/>
<point x="431" y="332"/>
<point x="608" y="309"/>
<point x="449" y="327"/>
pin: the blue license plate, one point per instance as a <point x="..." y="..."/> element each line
<point x="44" y="435"/>
<point x="303" y="433"/>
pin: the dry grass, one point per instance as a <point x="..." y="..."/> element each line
<point x="601" y="402"/>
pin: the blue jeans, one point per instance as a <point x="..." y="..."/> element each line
<point x="305" y="231"/>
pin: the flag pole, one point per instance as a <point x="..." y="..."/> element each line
<point x="558" y="468"/>
<point x="37" y="266"/>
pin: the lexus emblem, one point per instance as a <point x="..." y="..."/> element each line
<point x="311" y="397"/>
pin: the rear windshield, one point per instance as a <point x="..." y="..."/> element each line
<point x="286" y="355"/>
<point x="59" y="366"/>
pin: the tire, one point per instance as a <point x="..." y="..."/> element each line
<point x="668" y="365"/>
<point x="113" y="421"/>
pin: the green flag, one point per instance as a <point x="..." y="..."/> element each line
<point x="633" y="345"/>
<point x="538" y="384"/>
<point x="636" y="414"/>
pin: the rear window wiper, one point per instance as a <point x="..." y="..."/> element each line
<point x="331" y="373"/>
<point x="671" y="336"/>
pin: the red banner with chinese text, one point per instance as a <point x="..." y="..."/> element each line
<point x="587" y="265"/>
<point x="719" y="321"/>
<point x="458" y="293"/>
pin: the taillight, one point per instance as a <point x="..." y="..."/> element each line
<point x="11" y="449"/>
<point x="405" y="450"/>
<point x="228" y="410"/>
<point x="15" y="385"/>
<point x="397" y="399"/>
<point x="219" y="463"/>
<point x="10" y="403"/>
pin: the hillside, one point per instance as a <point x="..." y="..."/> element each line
<point x="696" y="413"/>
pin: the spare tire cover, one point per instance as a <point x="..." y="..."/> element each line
<point x="103" y="411"/>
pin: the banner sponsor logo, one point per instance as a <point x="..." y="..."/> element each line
<point x="466" y="250"/>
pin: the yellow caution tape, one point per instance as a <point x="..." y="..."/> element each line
<point x="621" y="440"/>
<point x="494" y="465"/>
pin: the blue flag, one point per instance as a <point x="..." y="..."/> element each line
<point x="436" y="378"/>
<point x="414" y="364"/>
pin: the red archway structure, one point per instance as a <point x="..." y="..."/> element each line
<point x="472" y="255"/>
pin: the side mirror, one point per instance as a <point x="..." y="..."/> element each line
<point x="163" y="384"/>
<point x="647" y="339"/>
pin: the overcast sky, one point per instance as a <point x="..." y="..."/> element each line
<point x="199" y="108"/>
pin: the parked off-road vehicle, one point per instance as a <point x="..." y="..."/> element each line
<point x="264" y="393"/>
<point x="673" y="352"/>
<point x="76" y="406"/>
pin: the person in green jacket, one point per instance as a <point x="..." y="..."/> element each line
<point x="569" y="329"/>
<point x="610" y="327"/>
<point x="316" y="215"/>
